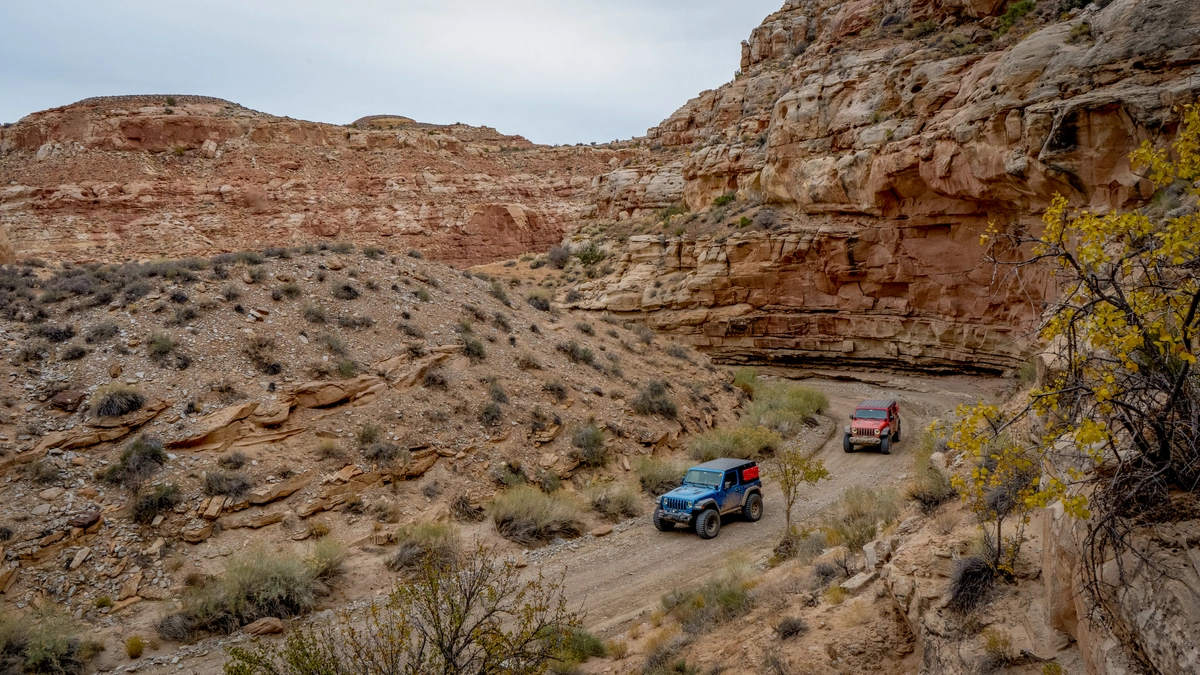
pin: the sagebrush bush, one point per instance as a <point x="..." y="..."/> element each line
<point x="474" y="349"/>
<point x="138" y="461"/>
<point x="226" y="484"/>
<point x="52" y="333"/>
<point x="153" y="502"/>
<point x="931" y="487"/>
<point x="783" y="407"/>
<point x="577" y="353"/>
<point x="652" y="399"/>
<point x="720" y="599"/>
<point x="855" y="516"/>
<point x="435" y="543"/>
<point x="101" y="332"/>
<point x="529" y="516"/>
<point x="616" y="503"/>
<point x="255" y="584"/>
<point x="790" y="627"/>
<point x="590" y="448"/>
<point x="971" y="582"/>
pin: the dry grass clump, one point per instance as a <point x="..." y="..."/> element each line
<point x="616" y="503"/>
<point x="53" y="334"/>
<point x="529" y="516"/>
<point x="116" y="400"/>
<point x="790" y="627"/>
<point x="260" y="349"/>
<point x="658" y="476"/>
<point x="255" y="584"/>
<point x="462" y="509"/>
<point x="46" y="643"/>
<point x="589" y="446"/>
<point x="577" y="353"/>
<point x="101" y="332"/>
<point x="226" y="484"/>
<point x="134" y="647"/>
<point x="971" y="583"/>
<point x="782" y="406"/>
<point x="160" y="498"/>
<point x="437" y="543"/>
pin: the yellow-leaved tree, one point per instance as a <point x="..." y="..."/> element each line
<point x="1115" y="423"/>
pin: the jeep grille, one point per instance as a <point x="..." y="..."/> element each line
<point x="866" y="432"/>
<point x="675" y="504"/>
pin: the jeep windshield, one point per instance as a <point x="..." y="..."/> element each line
<point x="870" y="414"/>
<point x="705" y="478"/>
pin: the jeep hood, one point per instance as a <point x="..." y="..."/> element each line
<point x="868" y="424"/>
<point x="690" y="492"/>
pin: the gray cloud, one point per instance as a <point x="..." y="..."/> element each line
<point x="555" y="71"/>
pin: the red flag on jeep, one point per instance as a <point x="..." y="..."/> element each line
<point x="750" y="474"/>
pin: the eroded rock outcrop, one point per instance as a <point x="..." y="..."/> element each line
<point x="884" y="136"/>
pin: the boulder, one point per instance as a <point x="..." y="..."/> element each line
<point x="267" y="626"/>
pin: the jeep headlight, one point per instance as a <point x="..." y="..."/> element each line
<point x="689" y="504"/>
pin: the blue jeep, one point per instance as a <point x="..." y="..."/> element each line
<point x="710" y="491"/>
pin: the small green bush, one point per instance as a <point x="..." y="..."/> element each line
<point x="368" y="434"/>
<point x="590" y="448"/>
<point x="1014" y="13"/>
<point x="101" y="332"/>
<point x="577" y="353"/>
<point x="160" y="498"/>
<point x="226" y="484"/>
<point x="139" y="461"/>
<point x="725" y="200"/>
<point x="718" y="600"/>
<point x="474" y="349"/>
<point x="615" y="503"/>
<point x="738" y="443"/>
<point x="116" y="400"/>
<point x="435" y="542"/>
<point x="315" y="314"/>
<point x="855" y="516"/>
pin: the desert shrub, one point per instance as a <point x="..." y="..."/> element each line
<point x="226" y="484"/>
<point x="558" y="256"/>
<point x="159" y="346"/>
<point x="475" y="614"/>
<point x="496" y="391"/>
<point x="434" y="543"/>
<point x="139" y="461"/>
<point x="720" y="599"/>
<point x="971" y="582"/>
<point x="355" y="322"/>
<point x="346" y="291"/>
<point x="231" y="292"/>
<point x="315" y="314"/>
<point x="1014" y="13"/>
<point x="116" y="400"/>
<point x="101" y="332"/>
<point x="574" y="646"/>
<point x="783" y="407"/>
<point x="528" y="516"/>
<point x="386" y="454"/>
<point x="652" y="399"/>
<point x="415" y="254"/>
<point x="411" y="330"/>
<point x="42" y="472"/>
<point x="499" y="293"/>
<point x="422" y="294"/>
<point x="474" y="349"/>
<point x="737" y="442"/>
<point x="43" y="644"/>
<point x="644" y="333"/>
<point x="615" y="503"/>
<point x="997" y="649"/>
<point x="658" y="476"/>
<point x="435" y="378"/>
<point x="34" y="350"/>
<point x="256" y="584"/>
<point x="528" y="361"/>
<point x="556" y="389"/>
<point x="790" y="627"/>
<point x="158" y="499"/>
<point x="372" y="252"/>
<point x="539" y="299"/>
<point x="52" y="333"/>
<point x="577" y="353"/>
<point x="491" y="415"/>
<point x="931" y="487"/>
<point x="855" y="516"/>
<point x="585" y="328"/>
<point x="802" y="546"/>
<point x="462" y="509"/>
<point x="328" y="449"/>
<point x="589" y="446"/>
<point x="368" y="434"/>
<point x="233" y="460"/>
<point x="73" y="353"/>
<point x="260" y="349"/>
<point x="679" y="352"/>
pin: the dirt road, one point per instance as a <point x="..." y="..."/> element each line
<point x="623" y="576"/>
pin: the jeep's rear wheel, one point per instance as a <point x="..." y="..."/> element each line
<point x="885" y="445"/>
<point x="846" y="444"/>
<point x="708" y="524"/>
<point x="661" y="524"/>
<point x="753" y="509"/>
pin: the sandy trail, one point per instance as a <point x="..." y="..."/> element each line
<point x="623" y="576"/>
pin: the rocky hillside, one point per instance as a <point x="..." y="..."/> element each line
<point x="121" y="177"/>
<point x="839" y="185"/>
<point x="158" y="417"/>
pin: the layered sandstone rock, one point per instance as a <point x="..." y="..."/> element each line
<point x="136" y="177"/>
<point x="887" y="135"/>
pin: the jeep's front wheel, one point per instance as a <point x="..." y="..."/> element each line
<point x="708" y="524"/>
<point x="661" y="524"/>
<point x="753" y="509"/>
<point x="846" y="444"/>
<point x="885" y="445"/>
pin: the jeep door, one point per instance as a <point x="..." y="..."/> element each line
<point x="733" y="490"/>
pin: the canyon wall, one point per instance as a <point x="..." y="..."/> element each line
<point x="885" y="136"/>
<point x="130" y="177"/>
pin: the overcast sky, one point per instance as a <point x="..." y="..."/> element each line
<point x="555" y="71"/>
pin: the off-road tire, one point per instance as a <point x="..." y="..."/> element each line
<point x="847" y="446"/>
<point x="661" y="524"/>
<point x="885" y="445"/>
<point x="752" y="510"/>
<point x="708" y="524"/>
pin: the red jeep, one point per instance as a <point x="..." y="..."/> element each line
<point x="873" y="423"/>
